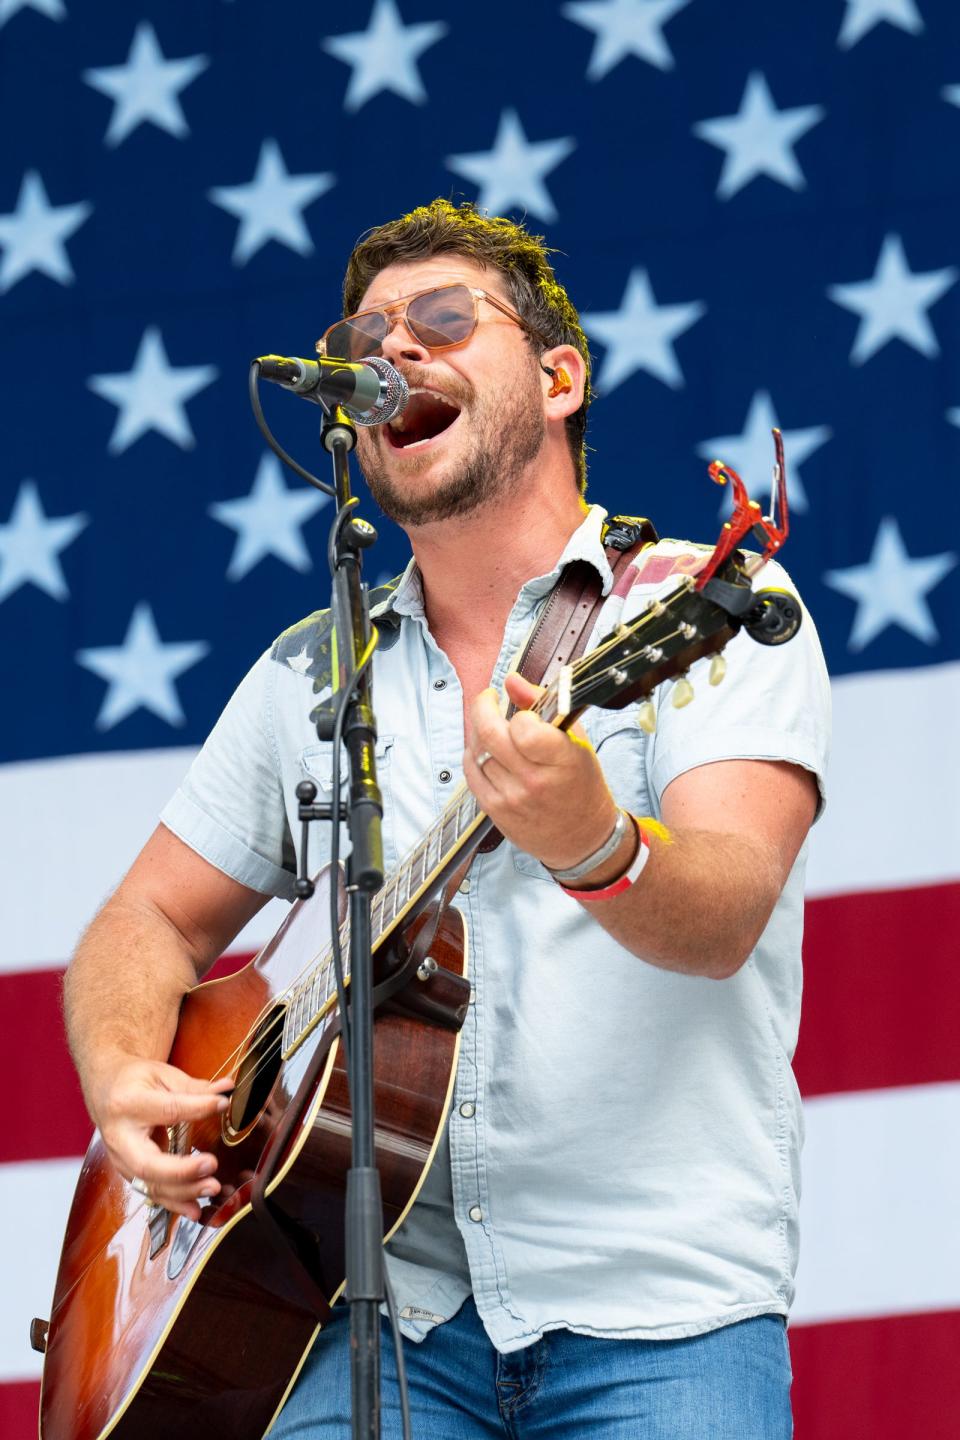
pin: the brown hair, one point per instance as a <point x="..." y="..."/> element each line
<point x="521" y="258"/>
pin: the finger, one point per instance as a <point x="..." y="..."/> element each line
<point x="171" y="1078"/>
<point x="489" y="732"/>
<point x="521" y="691"/>
<point x="173" y="1181"/>
<point x="151" y="1106"/>
<point x="135" y="1152"/>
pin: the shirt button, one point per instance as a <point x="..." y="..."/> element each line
<point x="473" y="997"/>
<point x="445" y="776"/>
<point x="468" y="1109"/>
<point x="439" y="684"/>
<point x="465" y="887"/>
<point x="475" y="1213"/>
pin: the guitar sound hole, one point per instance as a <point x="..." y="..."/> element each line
<point x="256" y="1077"/>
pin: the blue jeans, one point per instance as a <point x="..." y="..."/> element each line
<point x="730" y="1384"/>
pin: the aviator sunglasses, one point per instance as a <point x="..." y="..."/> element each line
<point x="439" y="318"/>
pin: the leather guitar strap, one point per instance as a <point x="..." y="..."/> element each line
<point x="567" y="620"/>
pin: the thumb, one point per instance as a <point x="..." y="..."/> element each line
<point x="521" y="691"/>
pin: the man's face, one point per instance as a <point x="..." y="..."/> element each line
<point x="475" y="417"/>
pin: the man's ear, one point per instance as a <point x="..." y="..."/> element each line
<point x="563" y="380"/>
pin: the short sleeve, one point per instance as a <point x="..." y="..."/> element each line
<point x="773" y="704"/>
<point x="230" y="807"/>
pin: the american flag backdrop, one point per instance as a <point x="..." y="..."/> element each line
<point x="756" y="209"/>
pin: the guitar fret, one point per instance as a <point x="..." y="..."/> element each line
<point x="435" y="847"/>
<point x="298" y="1012"/>
<point x="466" y="813"/>
<point x="418" y="867"/>
<point x="448" y="830"/>
<point x="390" y="902"/>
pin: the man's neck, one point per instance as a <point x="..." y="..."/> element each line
<point x="474" y="566"/>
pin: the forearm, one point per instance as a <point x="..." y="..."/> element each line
<point x="699" y="905"/>
<point x="122" y="992"/>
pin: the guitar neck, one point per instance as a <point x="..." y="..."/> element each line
<point x="418" y="877"/>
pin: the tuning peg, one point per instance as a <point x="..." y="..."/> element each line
<point x="682" y="693"/>
<point x="647" y="717"/>
<point x="718" y="668"/>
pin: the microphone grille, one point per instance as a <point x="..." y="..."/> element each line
<point x="394" y="393"/>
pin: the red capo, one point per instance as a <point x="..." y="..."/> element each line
<point x="770" y="531"/>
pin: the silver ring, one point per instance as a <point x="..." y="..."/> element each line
<point x="481" y="759"/>
<point x="141" y="1187"/>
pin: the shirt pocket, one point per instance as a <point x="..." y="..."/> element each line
<point x="621" y="748"/>
<point x="316" y="763"/>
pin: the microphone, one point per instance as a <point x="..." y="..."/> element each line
<point x="373" y="391"/>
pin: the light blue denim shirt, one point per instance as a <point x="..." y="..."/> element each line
<point x="621" y="1157"/>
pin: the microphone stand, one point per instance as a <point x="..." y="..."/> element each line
<point x="364" y="810"/>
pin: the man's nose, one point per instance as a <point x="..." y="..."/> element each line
<point x="400" y="344"/>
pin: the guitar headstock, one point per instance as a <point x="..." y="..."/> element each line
<point x="697" y="618"/>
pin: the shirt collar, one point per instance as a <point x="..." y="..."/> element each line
<point x="584" y="544"/>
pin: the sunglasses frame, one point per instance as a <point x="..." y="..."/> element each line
<point x="399" y="309"/>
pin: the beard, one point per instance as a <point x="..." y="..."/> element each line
<point x="506" y="432"/>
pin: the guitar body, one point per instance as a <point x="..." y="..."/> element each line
<point x="162" y="1326"/>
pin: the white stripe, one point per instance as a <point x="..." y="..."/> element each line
<point x="879" y="1231"/>
<point x="879" y="1217"/>
<point x="73" y="826"/>
<point x="893" y="817"/>
<point x="893" y="791"/>
<point x="34" y="1203"/>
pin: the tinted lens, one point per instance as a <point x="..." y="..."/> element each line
<point x="444" y="317"/>
<point x="356" y="339"/>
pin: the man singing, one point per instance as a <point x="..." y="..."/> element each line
<point x="606" y="1242"/>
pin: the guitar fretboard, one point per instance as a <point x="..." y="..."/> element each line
<point x="312" y="996"/>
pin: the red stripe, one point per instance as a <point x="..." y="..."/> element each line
<point x="881" y="1003"/>
<point x="893" y="1379"/>
<point x="48" y="1118"/>
<point x="19" y="1406"/>
<point x="881" y="1007"/>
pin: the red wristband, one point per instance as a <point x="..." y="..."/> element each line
<point x="628" y="878"/>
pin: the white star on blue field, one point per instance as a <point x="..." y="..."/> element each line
<point x="512" y="175"/>
<point x="271" y="205"/>
<point x="891" y="588"/>
<point x="147" y="88"/>
<point x="385" y="55"/>
<point x="751" y="452"/>
<point x="52" y="9"/>
<point x="893" y="304"/>
<point x="862" y="15"/>
<point x="759" y="139"/>
<point x="268" y="521"/>
<point x="30" y="545"/>
<point x="640" y="335"/>
<point x="140" y="673"/>
<point x="152" y="395"/>
<point x="33" y="236"/>
<point x="625" y="28"/>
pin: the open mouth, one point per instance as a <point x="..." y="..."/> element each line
<point x="426" y="415"/>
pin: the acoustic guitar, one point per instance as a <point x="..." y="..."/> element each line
<point x="165" y="1327"/>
